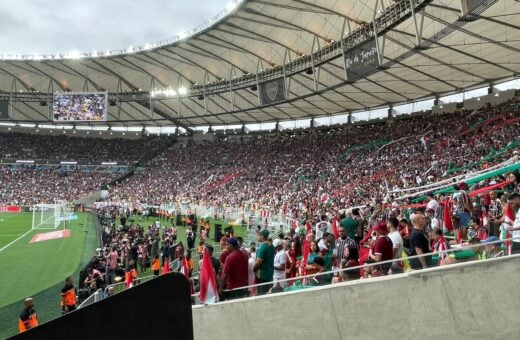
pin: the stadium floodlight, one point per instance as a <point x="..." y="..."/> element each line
<point x="183" y="91"/>
<point x="73" y="55"/>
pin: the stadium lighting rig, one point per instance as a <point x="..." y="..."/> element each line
<point x="74" y="55"/>
<point x="168" y="92"/>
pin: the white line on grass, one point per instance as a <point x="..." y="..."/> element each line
<point x="10" y="243"/>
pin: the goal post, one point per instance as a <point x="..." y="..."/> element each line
<point x="49" y="216"/>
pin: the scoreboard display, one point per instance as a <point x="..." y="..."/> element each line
<point x="80" y="106"/>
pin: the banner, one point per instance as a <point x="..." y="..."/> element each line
<point x="361" y="61"/>
<point x="11" y="208"/>
<point x="272" y="91"/>
<point x="68" y="218"/>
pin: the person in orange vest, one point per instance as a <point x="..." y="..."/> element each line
<point x="130" y="274"/>
<point x="156" y="265"/>
<point x="68" y="296"/>
<point x="28" y="318"/>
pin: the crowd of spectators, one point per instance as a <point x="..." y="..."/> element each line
<point x="302" y="171"/>
<point x="15" y="145"/>
<point x="27" y="185"/>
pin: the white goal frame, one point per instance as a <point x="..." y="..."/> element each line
<point x="49" y="216"/>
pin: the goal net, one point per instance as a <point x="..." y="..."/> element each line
<point x="48" y="216"/>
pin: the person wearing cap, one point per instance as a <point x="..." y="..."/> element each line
<point x="264" y="266"/>
<point x="28" y="318"/>
<point x="235" y="272"/>
<point x="492" y="248"/>
<point x="280" y="261"/>
<point x="380" y="250"/>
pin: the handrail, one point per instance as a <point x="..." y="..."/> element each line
<point x="451" y="250"/>
<point x="94" y="297"/>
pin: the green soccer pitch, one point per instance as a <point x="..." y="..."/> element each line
<point x="28" y="268"/>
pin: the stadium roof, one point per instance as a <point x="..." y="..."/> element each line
<point x="234" y="68"/>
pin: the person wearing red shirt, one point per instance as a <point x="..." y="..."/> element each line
<point x="290" y="265"/>
<point x="381" y="249"/>
<point x="235" y="272"/>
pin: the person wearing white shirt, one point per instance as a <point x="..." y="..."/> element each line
<point x="395" y="236"/>
<point x="514" y="201"/>
<point x="280" y="259"/>
<point x="434" y="221"/>
<point x="322" y="227"/>
<point x="432" y="203"/>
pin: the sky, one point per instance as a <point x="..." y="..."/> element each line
<point x="61" y="26"/>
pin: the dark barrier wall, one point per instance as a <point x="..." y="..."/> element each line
<point x="159" y="309"/>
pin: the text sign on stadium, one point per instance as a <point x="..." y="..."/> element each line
<point x="80" y="106"/>
<point x="272" y="91"/>
<point x="362" y="61"/>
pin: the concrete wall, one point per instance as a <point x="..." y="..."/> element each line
<point x="476" y="300"/>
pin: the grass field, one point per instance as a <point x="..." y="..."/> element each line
<point x="38" y="269"/>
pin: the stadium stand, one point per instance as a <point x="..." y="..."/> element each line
<point x="345" y="166"/>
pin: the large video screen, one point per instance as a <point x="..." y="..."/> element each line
<point x="86" y="106"/>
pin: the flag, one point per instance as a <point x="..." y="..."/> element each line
<point x="166" y="266"/>
<point x="129" y="278"/>
<point x="185" y="270"/>
<point x="459" y="236"/>
<point x="448" y="223"/>
<point x="509" y="218"/>
<point x="335" y="230"/>
<point x="308" y="227"/>
<point x="424" y="140"/>
<point x="485" y="220"/>
<point x="208" y="281"/>
<point x="306" y="252"/>
<point x="442" y="249"/>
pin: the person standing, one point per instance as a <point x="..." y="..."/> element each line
<point x="156" y="265"/>
<point x="112" y="265"/>
<point x="264" y="266"/>
<point x="234" y="275"/>
<point x="28" y="318"/>
<point x="419" y="244"/>
<point x="279" y="264"/>
<point x="381" y="250"/>
<point x="68" y="296"/>
<point x="344" y="240"/>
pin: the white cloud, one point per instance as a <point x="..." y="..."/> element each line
<point x="59" y="26"/>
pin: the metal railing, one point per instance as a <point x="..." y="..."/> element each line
<point x="444" y="254"/>
<point x="93" y="298"/>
